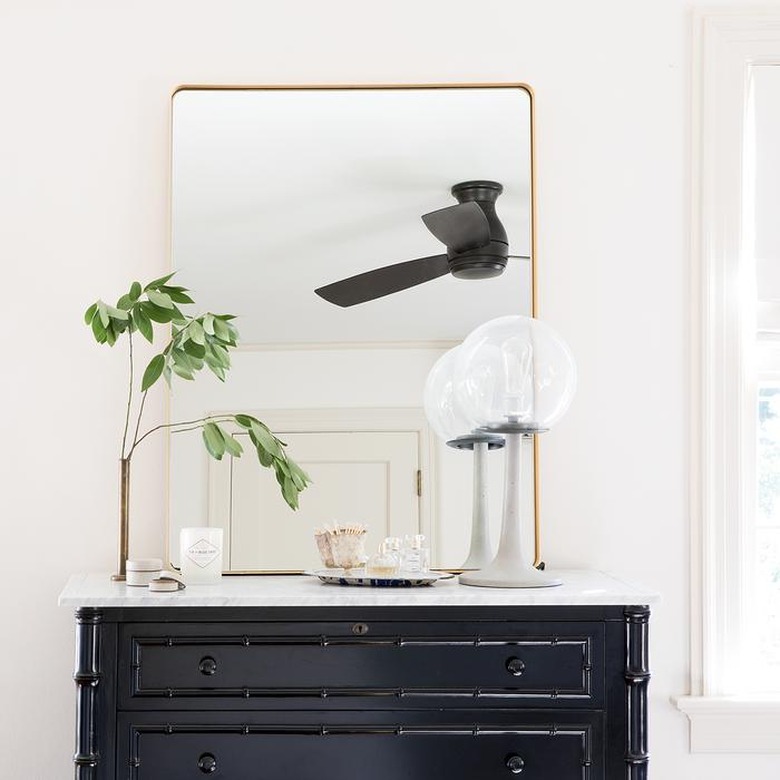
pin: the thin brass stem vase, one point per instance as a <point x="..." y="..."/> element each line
<point x="124" y="518"/>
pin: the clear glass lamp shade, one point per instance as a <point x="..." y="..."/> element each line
<point x="514" y="369"/>
<point x="442" y="408"/>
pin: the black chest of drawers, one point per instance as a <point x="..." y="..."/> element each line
<point x="387" y="693"/>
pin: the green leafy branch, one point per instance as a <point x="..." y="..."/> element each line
<point x="195" y="343"/>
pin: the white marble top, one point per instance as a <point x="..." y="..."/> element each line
<point x="579" y="588"/>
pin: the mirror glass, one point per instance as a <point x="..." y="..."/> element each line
<point x="276" y="192"/>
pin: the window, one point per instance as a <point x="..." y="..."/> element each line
<point x="734" y="704"/>
<point x="761" y="231"/>
<point x="765" y="550"/>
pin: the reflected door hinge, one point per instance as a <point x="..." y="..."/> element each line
<point x="419" y="482"/>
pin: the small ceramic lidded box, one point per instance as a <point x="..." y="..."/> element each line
<point x="201" y="555"/>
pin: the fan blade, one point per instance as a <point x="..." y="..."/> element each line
<point x="384" y="281"/>
<point x="460" y="227"/>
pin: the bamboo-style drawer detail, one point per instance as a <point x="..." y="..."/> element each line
<point x="540" y="751"/>
<point x="557" y="666"/>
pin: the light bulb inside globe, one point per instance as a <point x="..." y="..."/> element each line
<point x="515" y="373"/>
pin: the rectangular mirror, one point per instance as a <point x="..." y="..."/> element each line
<point x="279" y="191"/>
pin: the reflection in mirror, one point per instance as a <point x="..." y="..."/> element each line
<point x="279" y="192"/>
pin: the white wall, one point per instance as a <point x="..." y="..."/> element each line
<point x="83" y="208"/>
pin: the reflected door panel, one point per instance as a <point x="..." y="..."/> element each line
<point x="367" y="478"/>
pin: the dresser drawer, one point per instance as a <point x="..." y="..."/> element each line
<point x="533" y="752"/>
<point x="560" y="664"/>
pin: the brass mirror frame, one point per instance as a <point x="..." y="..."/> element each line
<point x="533" y="247"/>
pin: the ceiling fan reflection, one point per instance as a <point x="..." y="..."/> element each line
<point x="476" y="243"/>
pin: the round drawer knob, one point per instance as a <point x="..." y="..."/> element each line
<point x="515" y="764"/>
<point x="207" y="763"/>
<point x="207" y="666"/>
<point x="515" y="666"/>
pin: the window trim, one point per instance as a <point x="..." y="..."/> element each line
<point x="726" y="45"/>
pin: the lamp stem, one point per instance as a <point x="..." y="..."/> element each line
<point x="510" y="546"/>
<point x="480" y="552"/>
<point x="511" y="568"/>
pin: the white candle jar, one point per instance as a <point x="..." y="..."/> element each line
<point x="201" y="555"/>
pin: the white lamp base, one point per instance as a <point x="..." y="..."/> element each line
<point x="497" y="576"/>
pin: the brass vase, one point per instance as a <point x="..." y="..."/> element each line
<point x="124" y="518"/>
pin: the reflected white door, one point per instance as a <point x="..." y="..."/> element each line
<point x="365" y="477"/>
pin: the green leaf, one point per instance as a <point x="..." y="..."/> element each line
<point x="119" y="325"/>
<point x="265" y="458"/>
<point x="244" y="420"/>
<point x="232" y="445"/>
<point x="103" y="312"/>
<point x="221" y="330"/>
<point x="177" y="294"/>
<point x="89" y="314"/>
<point x="194" y="350"/>
<point x="153" y="371"/>
<point x="144" y="323"/>
<point x="160" y="299"/>
<point x="265" y="439"/>
<point x="181" y="358"/>
<point x="116" y="314"/>
<point x="125" y="303"/>
<point x="181" y="371"/>
<point x="98" y="331"/>
<point x="135" y="291"/>
<point x="214" y="440"/>
<point x="218" y="371"/>
<point x="196" y="332"/>
<point x="208" y="324"/>
<point x="299" y="477"/>
<point x="221" y="355"/>
<point x="110" y="335"/>
<point x="153" y="285"/>
<point x="156" y="313"/>
<point x="290" y="493"/>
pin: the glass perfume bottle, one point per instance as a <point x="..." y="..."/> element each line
<point x="415" y="555"/>
<point x="382" y="564"/>
<point x="392" y="546"/>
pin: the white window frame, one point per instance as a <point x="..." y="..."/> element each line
<point x="726" y="46"/>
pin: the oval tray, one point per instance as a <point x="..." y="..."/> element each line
<point x="359" y="578"/>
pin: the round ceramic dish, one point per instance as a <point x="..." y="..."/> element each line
<point x="360" y="578"/>
<point x="141" y="571"/>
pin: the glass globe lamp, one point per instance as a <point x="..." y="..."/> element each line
<point x="450" y="424"/>
<point x="513" y="376"/>
<point x="442" y="409"/>
<point x="516" y="370"/>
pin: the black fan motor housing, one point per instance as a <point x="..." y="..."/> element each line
<point x="486" y="261"/>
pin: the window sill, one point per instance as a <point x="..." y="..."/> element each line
<point x="730" y="724"/>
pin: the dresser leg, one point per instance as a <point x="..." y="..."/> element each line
<point x="637" y="680"/>
<point x="88" y="676"/>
